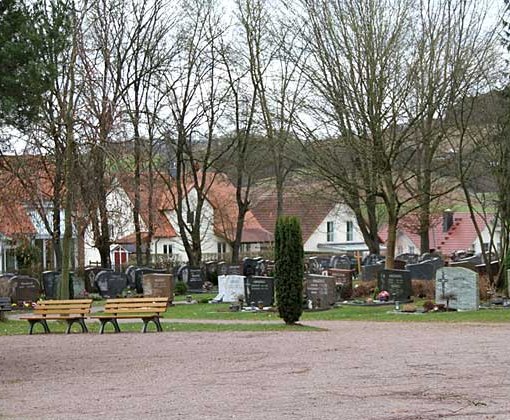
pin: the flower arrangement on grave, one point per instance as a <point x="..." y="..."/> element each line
<point x="383" y="296"/>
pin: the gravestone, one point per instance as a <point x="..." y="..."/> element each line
<point x="51" y="284"/>
<point x="371" y="272"/>
<point x="195" y="280"/>
<point x="211" y="272"/>
<point x="373" y="259"/>
<point x="158" y="285"/>
<point x="470" y="262"/>
<point x="343" y="282"/>
<point x="459" y="286"/>
<point x="78" y="285"/>
<point x="425" y="270"/>
<point x="399" y="264"/>
<point x="139" y="273"/>
<point x="183" y="274"/>
<point x="253" y="267"/>
<point x="259" y="289"/>
<point x="397" y="283"/>
<point x="320" y="290"/>
<point x="235" y="270"/>
<point x="90" y="278"/>
<point x="130" y="274"/>
<point x="408" y="258"/>
<point x="111" y="284"/>
<point x="4" y="284"/>
<point x="24" y="289"/>
<point x="230" y="288"/>
<point x="222" y="268"/>
<point x="342" y="262"/>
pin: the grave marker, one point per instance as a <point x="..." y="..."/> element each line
<point x="321" y="290"/>
<point x="259" y="289"/>
<point x="397" y="283"/>
<point x="158" y="285"/>
<point x="230" y="288"/>
<point x="196" y="279"/>
<point x="24" y="289"/>
<point x="458" y="285"/>
<point x="4" y="284"/>
<point x="111" y="284"/>
<point x="343" y="282"/>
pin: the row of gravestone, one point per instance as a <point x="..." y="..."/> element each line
<point x="420" y="270"/>
<point x="254" y="290"/>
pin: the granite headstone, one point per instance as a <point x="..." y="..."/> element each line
<point x="24" y="289"/>
<point x="196" y="279"/>
<point x="158" y="285"/>
<point x="111" y="284"/>
<point x="459" y="287"/>
<point x="4" y="284"/>
<point x="397" y="283"/>
<point x="231" y="288"/>
<point x="343" y="281"/>
<point x="320" y="290"/>
<point x="259" y="289"/>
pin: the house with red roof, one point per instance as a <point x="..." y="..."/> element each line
<point x="218" y="222"/>
<point x="449" y="232"/>
<point x="327" y="225"/>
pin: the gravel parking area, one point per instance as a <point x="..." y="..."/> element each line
<point x="354" y="370"/>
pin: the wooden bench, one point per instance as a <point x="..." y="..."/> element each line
<point x="5" y="305"/>
<point x="148" y="309"/>
<point x="70" y="311"/>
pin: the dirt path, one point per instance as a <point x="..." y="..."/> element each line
<point x="355" y="370"/>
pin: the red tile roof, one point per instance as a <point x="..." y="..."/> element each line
<point x="221" y="194"/>
<point x="311" y="210"/>
<point x="460" y="236"/>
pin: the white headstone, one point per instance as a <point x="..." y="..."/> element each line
<point x="460" y="286"/>
<point x="231" y="287"/>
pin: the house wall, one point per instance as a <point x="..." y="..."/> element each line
<point x="339" y="215"/>
<point x="405" y="245"/>
<point x="209" y="241"/>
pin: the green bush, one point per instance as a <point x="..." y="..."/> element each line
<point x="289" y="260"/>
<point x="180" y="288"/>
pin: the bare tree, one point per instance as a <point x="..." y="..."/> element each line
<point x="196" y="92"/>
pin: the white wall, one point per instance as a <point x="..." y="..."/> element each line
<point x="340" y="214"/>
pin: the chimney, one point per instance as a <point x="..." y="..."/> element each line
<point x="447" y="220"/>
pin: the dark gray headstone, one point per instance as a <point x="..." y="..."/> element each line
<point x="90" y="278"/>
<point x="342" y="262"/>
<point x="24" y="289"/>
<point x="196" y="279"/>
<point x="459" y="286"/>
<point x="259" y="289"/>
<point x="183" y="274"/>
<point x="234" y="270"/>
<point x="408" y="258"/>
<point x="111" y="284"/>
<point x="399" y="264"/>
<point x="320" y="290"/>
<point x="397" y="283"/>
<point x="222" y="268"/>
<point x="253" y="267"/>
<point x="343" y="282"/>
<point x="51" y="284"/>
<point x="130" y="274"/>
<point x="371" y="272"/>
<point x="470" y="262"/>
<point x="422" y="271"/>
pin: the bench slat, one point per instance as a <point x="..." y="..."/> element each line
<point x="137" y="300"/>
<point x="134" y="305"/>
<point x="65" y="302"/>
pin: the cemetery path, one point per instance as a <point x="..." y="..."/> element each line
<point x="354" y="370"/>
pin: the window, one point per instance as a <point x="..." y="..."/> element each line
<point x="167" y="249"/>
<point x="330" y="231"/>
<point x="349" y="230"/>
<point x="411" y="249"/>
<point x="222" y="247"/>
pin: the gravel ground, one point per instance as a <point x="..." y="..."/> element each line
<point x="355" y="370"/>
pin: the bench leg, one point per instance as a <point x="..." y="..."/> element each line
<point x="154" y="319"/>
<point x="81" y="322"/>
<point x="113" y="321"/>
<point x="38" y="321"/>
